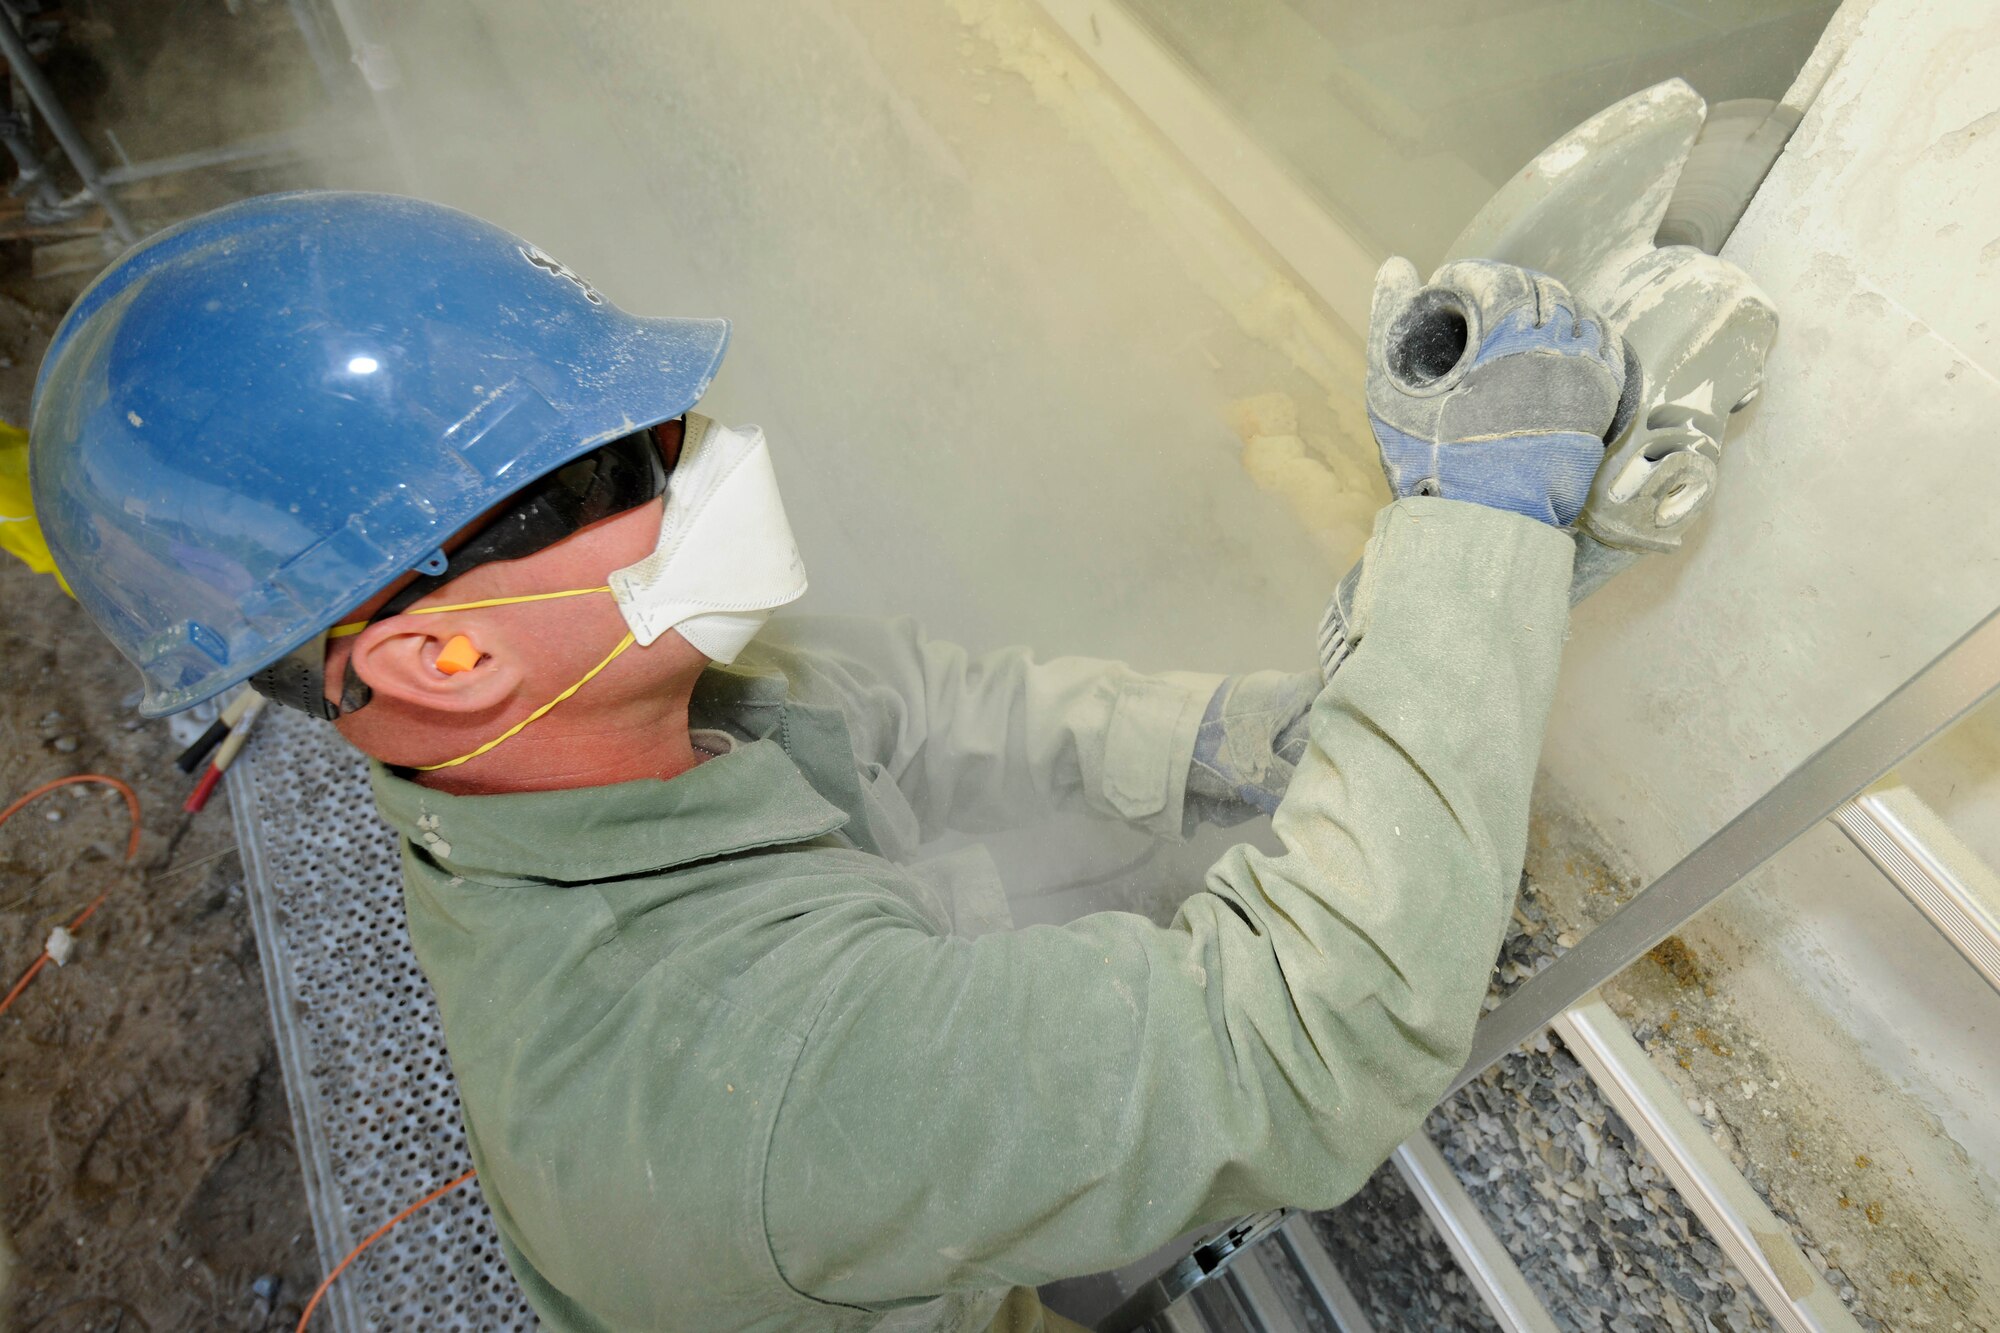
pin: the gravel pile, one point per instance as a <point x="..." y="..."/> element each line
<point x="1532" y="943"/>
<point x="1396" y="1263"/>
<point x="1586" y="1213"/>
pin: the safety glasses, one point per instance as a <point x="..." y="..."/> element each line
<point x="607" y="481"/>
<point x="622" y="475"/>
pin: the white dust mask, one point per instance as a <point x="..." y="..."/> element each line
<point x="726" y="555"/>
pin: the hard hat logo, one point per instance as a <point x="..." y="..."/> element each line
<point x="549" y="264"/>
<point x="217" y="499"/>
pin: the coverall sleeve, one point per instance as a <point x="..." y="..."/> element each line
<point x="1056" y="1101"/>
<point x="988" y="742"/>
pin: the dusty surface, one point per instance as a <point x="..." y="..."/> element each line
<point x="1579" y="1203"/>
<point x="1859" y="1207"/>
<point x="1863" y="1212"/>
<point x="147" y="1174"/>
<point x="1692" y="685"/>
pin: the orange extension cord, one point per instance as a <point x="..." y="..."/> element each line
<point x="131" y="854"/>
<point x="319" y="1292"/>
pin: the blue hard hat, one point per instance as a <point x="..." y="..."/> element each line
<point x="259" y="418"/>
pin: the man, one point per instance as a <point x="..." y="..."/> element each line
<point x="732" y="1053"/>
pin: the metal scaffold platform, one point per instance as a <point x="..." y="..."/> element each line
<point x="360" y="1042"/>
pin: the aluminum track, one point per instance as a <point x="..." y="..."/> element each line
<point x="1915" y="851"/>
<point x="1506" y="1294"/>
<point x="1797" y="1298"/>
<point x="1289" y="1283"/>
<point x="1942" y="877"/>
<point x="1954" y="683"/>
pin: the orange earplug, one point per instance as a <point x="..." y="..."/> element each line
<point x="458" y="655"/>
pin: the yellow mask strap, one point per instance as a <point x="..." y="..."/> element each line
<point x="356" y="626"/>
<point x="353" y="627"/>
<point x="539" y="713"/>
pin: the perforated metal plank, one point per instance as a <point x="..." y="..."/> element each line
<point x="373" y="1103"/>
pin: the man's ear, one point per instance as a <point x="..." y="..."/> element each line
<point x="397" y="659"/>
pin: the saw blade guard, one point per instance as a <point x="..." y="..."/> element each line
<point x="1588" y="210"/>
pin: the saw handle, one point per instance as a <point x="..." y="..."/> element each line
<point x="1435" y="334"/>
<point x="1429" y="339"/>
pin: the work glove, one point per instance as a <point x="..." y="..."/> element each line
<point x="1490" y="384"/>
<point x="1251" y="737"/>
<point x="1253" y="732"/>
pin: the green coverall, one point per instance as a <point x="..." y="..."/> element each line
<point x="725" y="1064"/>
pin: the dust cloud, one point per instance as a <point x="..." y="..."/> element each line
<point x="999" y="361"/>
<point x="1024" y="376"/>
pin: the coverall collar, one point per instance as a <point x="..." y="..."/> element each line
<point x="755" y="796"/>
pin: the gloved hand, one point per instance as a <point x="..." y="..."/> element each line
<point x="1251" y="737"/>
<point x="1491" y="384"/>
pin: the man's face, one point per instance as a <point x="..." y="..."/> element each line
<point x="540" y="639"/>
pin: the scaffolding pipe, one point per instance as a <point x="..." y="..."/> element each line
<point x="306" y="15"/>
<point x="258" y="148"/>
<point x="45" y="202"/>
<point x="15" y="49"/>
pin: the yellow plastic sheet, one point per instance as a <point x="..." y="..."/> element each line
<point x="20" y="534"/>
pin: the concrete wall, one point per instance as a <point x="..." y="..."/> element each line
<point x="1404" y="118"/>
<point x="1854" y="537"/>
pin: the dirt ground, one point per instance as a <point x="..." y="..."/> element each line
<point x="148" y="1177"/>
